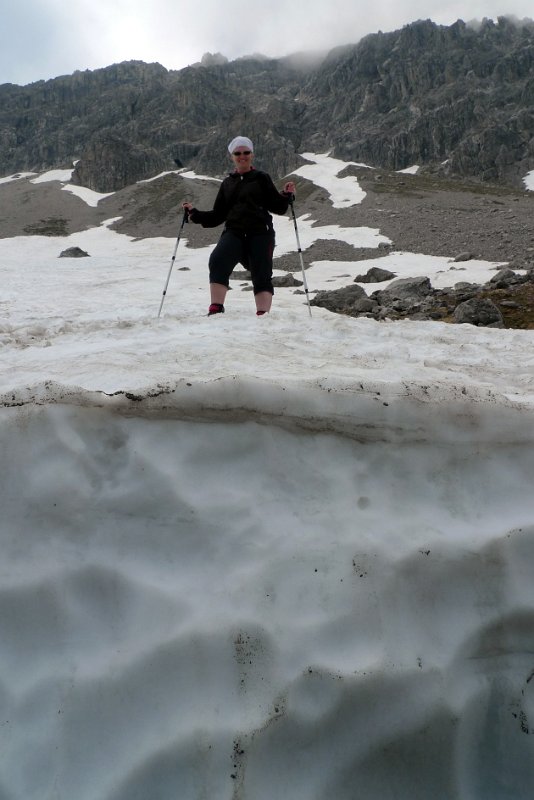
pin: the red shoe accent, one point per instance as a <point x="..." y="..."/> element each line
<point x="260" y="313"/>
<point x="215" y="308"/>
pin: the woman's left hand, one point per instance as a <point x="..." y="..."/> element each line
<point x="289" y="188"/>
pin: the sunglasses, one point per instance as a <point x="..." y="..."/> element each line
<point x="242" y="153"/>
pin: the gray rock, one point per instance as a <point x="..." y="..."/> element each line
<point x="466" y="256"/>
<point x="364" y="306"/>
<point x="462" y="286"/>
<point x="504" y="278"/>
<point x="402" y="289"/>
<point x="478" y="311"/>
<point x="73" y="252"/>
<point x="213" y="59"/>
<point x="340" y="300"/>
<point x="286" y="280"/>
<point x="109" y="162"/>
<point x="375" y="275"/>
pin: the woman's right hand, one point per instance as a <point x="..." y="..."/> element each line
<point x="187" y="207"/>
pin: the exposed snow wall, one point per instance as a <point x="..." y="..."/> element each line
<point x="241" y="590"/>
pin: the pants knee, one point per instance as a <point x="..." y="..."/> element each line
<point x="263" y="286"/>
<point x="218" y="272"/>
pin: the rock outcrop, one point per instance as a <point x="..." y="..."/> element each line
<point x="457" y="100"/>
<point x="109" y="163"/>
<point x="73" y="252"/>
<point x="499" y="303"/>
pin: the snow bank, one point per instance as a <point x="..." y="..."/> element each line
<point x="61" y="175"/>
<point x="253" y="558"/>
<point x="202" y="601"/>
<point x="323" y="171"/>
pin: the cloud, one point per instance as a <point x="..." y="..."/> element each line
<point x="29" y="45"/>
<point x="40" y="39"/>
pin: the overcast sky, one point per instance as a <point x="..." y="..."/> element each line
<point x="41" y="39"/>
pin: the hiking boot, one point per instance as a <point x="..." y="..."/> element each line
<point x="215" y="308"/>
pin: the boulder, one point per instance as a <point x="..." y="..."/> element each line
<point x="375" y="275"/>
<point x="478" y="311"/>
<point x="403" y="289"/>
<point x="466" y="256"/>
<point x="73" y="252"/>
<point x="286" y="280"/>
<point x="342" y="301"/>
<point x="504" y="278"/>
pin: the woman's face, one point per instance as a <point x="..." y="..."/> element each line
<point x="242" y="158"/>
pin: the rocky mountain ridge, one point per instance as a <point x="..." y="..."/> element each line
<point x="457" y="100"/>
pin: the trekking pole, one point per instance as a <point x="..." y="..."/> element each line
<point x="184" y="220"/>
<point x="300" y="254"/>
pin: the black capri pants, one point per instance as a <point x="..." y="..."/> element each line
<point x="253" y="251"/>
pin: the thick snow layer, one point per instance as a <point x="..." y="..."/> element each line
<point x="413" y="170"/>
<point x="89" y="196"/>
<point x="237" y="609"/>
<point x="323" y="171"/>
<point x="61" y="175"/>
<point x="252" y="558"/>
<point x="528" y="180"/>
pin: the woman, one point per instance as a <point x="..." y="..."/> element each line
<point x="243" y="202"/>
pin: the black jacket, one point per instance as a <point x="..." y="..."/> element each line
<point x="243" y="202"/>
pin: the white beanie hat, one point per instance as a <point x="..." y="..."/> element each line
<point x="240" y="141"/>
